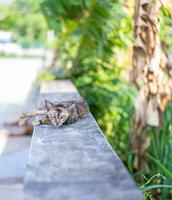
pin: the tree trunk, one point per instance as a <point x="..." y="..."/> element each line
<point x="148" y="74"/>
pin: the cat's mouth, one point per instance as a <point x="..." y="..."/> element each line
<point x="54" y="121"/>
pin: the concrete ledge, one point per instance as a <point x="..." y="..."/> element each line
<point x="75" y="162"/>
<point x="58" y="86"/>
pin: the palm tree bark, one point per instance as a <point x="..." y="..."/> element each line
<point x="148" y="73"/>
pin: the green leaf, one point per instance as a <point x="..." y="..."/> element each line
<point x="147" y="188"/>
<point x="164" y="170"/>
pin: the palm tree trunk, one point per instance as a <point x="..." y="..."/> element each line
<point x="153" y="84"/>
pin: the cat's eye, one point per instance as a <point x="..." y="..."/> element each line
<point x="63" y="117"/>
<point x="52" y="114"/>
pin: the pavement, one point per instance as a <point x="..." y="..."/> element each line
<point x="16" y="78"/>
<point x="18" y="93"/>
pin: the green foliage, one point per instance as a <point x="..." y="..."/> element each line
<point x="7" y="17"/>
<point x="56" y="12"/>
<point x="166" y="26"/>
<point x="25" y="20"/>
<point x="161" y="143"/>
<point x="159" y="156"/>
<point x="46" y="76"/>
<point x="51" y="74"/>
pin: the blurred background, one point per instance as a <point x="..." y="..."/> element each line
<point x="89" y="42"/>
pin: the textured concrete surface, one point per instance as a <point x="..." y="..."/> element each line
<point x="11" y="192"/>
<point x="75" y="162"/>
<point x="58" y="86"/>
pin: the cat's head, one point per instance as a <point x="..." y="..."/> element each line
<point x="56" y="114"/>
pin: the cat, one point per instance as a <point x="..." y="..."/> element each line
<point x="65" y="112"/>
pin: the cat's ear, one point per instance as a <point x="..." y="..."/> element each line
<point x="49" y="106"/>
<point x="72" y="108"/>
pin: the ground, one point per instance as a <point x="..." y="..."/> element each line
<point x="17" y="93"/>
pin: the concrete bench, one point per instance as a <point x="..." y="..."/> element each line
<point x="74" y="162"/>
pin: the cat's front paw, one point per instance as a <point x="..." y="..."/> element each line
<point x="36" y="123"/>
<point x="22" y="123"/>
